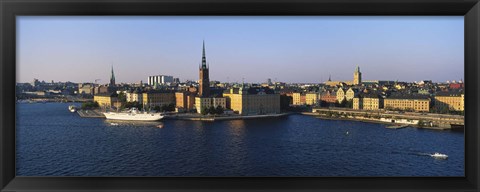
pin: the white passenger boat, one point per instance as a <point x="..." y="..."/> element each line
<point x="134" y="115"/>
<point x="439" y="156"/>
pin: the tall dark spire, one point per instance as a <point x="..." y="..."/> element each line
<point x="329" y="77"/>
<point x="112" y="78"/>
<point x="204" y="59"/>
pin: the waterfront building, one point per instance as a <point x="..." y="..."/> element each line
<point x="158" y="98"/>
<point x="184" y="100"/>
<point x="107" y="100"/>
<point x="253" y="101"/>
<point x="418" y="103"/>
<point x="357" y="103"/>
<point x="312" y="98"/>
<point x="202" y="103"/>
<point x="453" y="101"/>
<point x="372" y="101"/>
<point x="160" y="80"/>
<point x="357" y="76"/>
<point x="341" y="95"/>
<point x="351" y="93"/>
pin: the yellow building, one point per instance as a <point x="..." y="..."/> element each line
<point x="341" y="95"/>
<point x="417" y="103"/>
<point x="357" y="103"/>
<point x="202" y="103"/>
<point x="158" y="98"/>
<point x="297" y="99"/>
<point x="450" y="101"/>
<point x="312" y="98"/>
<point x="107" y="100"/>
<point x="372" y="102"/>
<point x="253" y="101"/>
<point x="134" y="97"/>
<point x="185" y="100"/>
<point x="351" y="93"/>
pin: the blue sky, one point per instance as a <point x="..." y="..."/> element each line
<point x="286" y="49"/>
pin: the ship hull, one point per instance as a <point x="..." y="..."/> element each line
<point x="133" y="117"/>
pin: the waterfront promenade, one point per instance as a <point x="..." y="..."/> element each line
<point x="432" y="120"/>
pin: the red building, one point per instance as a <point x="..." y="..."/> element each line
<point x="456" y="86"/>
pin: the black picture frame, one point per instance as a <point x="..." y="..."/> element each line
<point x="9" y="9"/>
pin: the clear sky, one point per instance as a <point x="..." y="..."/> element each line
<point x="287" y="49"/>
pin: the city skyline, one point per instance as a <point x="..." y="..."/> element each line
<point x="250" y="49"/>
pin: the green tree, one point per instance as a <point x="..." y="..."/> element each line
<point x="219" y="110"/>
<point x="204" y="111"/>
<point x="122" y="97"/>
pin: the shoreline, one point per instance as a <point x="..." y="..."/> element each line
<point x="370" y="121"/>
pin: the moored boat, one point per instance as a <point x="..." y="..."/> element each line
<point x="134" y="115"/>
<point x="72" y="108"/>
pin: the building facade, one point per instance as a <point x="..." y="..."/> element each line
<point x="450" y="101"/>
<point x="357" y="103"/>
<point x="134" y="96"/>
<point x="312" y="98"/>
<point x="157" y="98"/>
<point x="298" y="99"/>
<point x="351" y="93"/>
<point x="160" y="80"/>
<point x="85" y="88"/>
<point x="107" y="100"/>
<point x="372" y="102"/>
<point x="341" y="93"/>
<point x="202" y="103"/>
<point x="418" y="104"/>
<point x="184" y="100"/>
<point x="253" y="101"/>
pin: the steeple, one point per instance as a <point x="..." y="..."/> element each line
<point x="357" y="69"/>
<point x="330" y="77"/>
<point x="112" y="78"/>
<point x="204" y="59"/>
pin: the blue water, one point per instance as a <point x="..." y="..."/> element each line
<point x="51" y="141"/>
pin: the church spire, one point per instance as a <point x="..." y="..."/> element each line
<point x="329" y="77"/>
<point x="357" y="69"/>
<point x="204" y="59"/>
<point x="112" y="78"/>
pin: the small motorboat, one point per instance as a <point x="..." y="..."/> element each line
<point x="72" y="108"/>
<point x="439" y="156"/>
<point x="114" y="124"/>
<point x="160" y="126"/>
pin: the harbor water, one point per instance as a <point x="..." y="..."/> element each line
<point x="51" y="141"/>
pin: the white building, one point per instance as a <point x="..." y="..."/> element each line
<point x="160" y="79"/>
